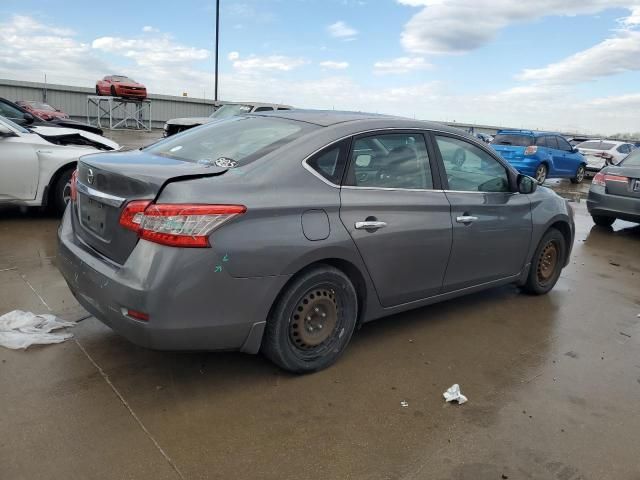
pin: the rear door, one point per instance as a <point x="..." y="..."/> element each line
<point x="491" y="224"/>
<point x="399" y="219"/>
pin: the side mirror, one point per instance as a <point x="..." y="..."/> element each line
<point x="575" y="150"/>
<point x="28" y="118"/>
<point x="526" y="184"/>
<point x="6" y="132"/>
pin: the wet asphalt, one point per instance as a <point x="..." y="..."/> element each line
<point x="553" y="384"/>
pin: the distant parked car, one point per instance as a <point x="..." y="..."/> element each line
<point x="615" y="192"/>
<point x="24" y="118"/>
<point x="36" y="171"/>
<point x="177" y="125"/>
<point x="541" y="155"/>
<point x="283" y="232"/>
<point x="600" y="153"/>
<point x="576" y="140"/>
<point x="42" y="110"/>
<point x="485" y="137"/>
<point x="121" y="86"/>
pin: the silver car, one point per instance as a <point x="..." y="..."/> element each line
<point x="283" y="232"/>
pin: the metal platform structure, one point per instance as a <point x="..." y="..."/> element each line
<point x="120" y="113"/>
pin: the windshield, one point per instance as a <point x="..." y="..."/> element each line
<point x="598" y="145"/>
<point x="633" y="160"/>
<point x="229" y="110"/>
<point x="42" y="106"/>
<point x="116" y="78"/>
<point x="239" y="139"/>
<point x="13" y="125"/>
<point x="512" y="139"/>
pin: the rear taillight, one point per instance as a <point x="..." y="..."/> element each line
<point x="531" y="150"/>
<point x="177" y="225"/>
<point x="74" y="185"/>
<point x="602" y="179"/>
<point x="605" y="155"/>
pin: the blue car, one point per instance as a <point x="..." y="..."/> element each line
<point x="540" y="155"/>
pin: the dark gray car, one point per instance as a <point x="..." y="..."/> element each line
<point x="283" y="232"/>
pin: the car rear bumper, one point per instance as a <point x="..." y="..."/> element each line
<point x="601" y="203"/>
<point x="191" y="306"/>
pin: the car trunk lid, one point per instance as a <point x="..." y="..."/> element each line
<point x="107" y="182"/>
<point x="623" y="181"/>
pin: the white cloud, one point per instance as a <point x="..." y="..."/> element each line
<point x="459" y="26"/>
<point x="610" y="57"/>
<point x="233" y="56"/>
<point x="341" y="30"/>
<point x="255" y="64"/>
<point x="150" y="51"/>
<point x="400" y="65"/>
<point x="333" y="65"/>
<point x="149" y="29"/>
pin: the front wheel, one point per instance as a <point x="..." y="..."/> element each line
<point x="312" y="322"/>
<point x="98" y="91"/>
<point x="547" y="263"/>
<point x="541" y="173"/>
<point x="603" y="221"/>
<point x="113" y="91"/>
<point x="579" y="175"/>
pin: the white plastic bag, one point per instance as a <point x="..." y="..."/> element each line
<point x="453" y="394"/>
<point x="20" y="329"/>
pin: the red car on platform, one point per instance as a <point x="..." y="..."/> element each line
<point x="42" y="110"/>
<point x="121" y="86"/>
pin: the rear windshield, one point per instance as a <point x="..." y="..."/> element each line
<point x="597" y="145"/>
<point x="633" y="160"/>
<point x="237" y="139"/>
<point x="513" y="140"/>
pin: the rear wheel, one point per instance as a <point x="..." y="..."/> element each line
<point x="61" y="192"/>
<point x="312" y="322"/>
<point x="541" y="173"/>
<point x="547" y="263"/>
<point x="579" y="175"/>
<point x="98" y="91"/>
<point x="603" y="221"/>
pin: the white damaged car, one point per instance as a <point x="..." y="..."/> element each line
<point x="36" y="164"/>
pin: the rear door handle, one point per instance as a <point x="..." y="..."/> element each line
<point x="466" y="219"/>
<point x="370" y="225"/>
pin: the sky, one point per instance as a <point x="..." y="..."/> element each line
<point x="570" y="65"/>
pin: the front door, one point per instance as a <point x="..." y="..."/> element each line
<point x="20" y="168"/>
<point x="491" y="224"/>
<point x="399" y="223"/>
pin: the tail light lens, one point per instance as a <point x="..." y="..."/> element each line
<point x="531" y="150"/>
<point x="74" y="185"/>
<point x="177" y="225"/>
<point x="602" y="179"/>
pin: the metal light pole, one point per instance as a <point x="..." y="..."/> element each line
<point x="217" y="43"/>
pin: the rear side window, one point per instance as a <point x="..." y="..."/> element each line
<point x="596" y="145"/>
<point x="264" y="109"/>
<point x="624" y="148"/>
<point x="395" y="160"/>
<point x="237" y="139"/>
<point x="541" y="141"/>
<point x="330" y="162"/>
<point x="513" y="140"/>
<point x="552" y="142"/>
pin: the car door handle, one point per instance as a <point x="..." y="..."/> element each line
<point x="466" y="219"/>
<point x="370" y="225"/>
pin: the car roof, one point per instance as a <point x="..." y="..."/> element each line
<point x="257" y="104"/>
<point x="327" y="118"/>
<point x="534" y="133"/>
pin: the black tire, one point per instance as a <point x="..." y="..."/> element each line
<point x="321" y="291"/>
<point x="98" y="91"/>
<point x="580" y="172"/>
<point x="603" y="221"/>
<point x="60" y="192"/>
<point x="543" y="276"/>
<point x="541" y="173"/>
<point x="113" y="91"/>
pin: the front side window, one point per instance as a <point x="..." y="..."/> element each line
<point x="470" y="169"/>
<point x="10" y="111"/>
<point x="395" y="160"/>
<point x="240" y="139"/>
<point x="563" y="144"/>
<point x="552" y="142"/>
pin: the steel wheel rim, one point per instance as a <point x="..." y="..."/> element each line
<point x="66" y="193"/>
<point x="541" y="174"/>
<point x="314" y="321"/>
<point x="548" y="262"/>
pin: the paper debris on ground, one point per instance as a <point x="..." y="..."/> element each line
<point x="453" y="394"/>
<point x="404" y="404"/>
<point x="20" y="329"/>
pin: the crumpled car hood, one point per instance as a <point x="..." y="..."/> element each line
<point x="72" y="136"/>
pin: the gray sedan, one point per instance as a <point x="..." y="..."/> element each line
<point x="283" y="232"/>
<point x="615" y="192"/>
